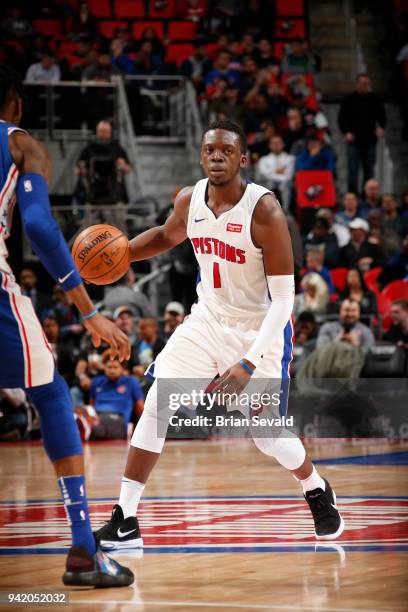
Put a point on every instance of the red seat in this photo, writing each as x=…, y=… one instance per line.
x=177, y=53
x=67, y=47
x=338, y=276
x=129, y=9
x=279, y=49
x=108, y=27
x=211, y=50
x=297, y=29
x=48, y=27
x=309, y=178
x=182, y=30
x=370, y=279
x=100, y=8
x=397, y=290
x=292, y=8
x=168, y=10
x=140, y=26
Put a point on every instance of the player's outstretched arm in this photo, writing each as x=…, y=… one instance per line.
x=270, y=233
x=160, y=239
x=48, y=243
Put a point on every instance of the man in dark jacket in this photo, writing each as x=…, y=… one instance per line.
x=361, y=119
x=359, y=252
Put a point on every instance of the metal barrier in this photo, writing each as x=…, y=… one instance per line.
x=69, y=110
x=157, y=104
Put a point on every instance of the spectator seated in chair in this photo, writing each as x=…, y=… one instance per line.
x=315, y=263
x=342, y=233
x=348, y=329
x=321, y=236
x=116, y=399
x=398, y=332
x=28, y=283
x=173, y=317
x=314, y=296
x=357, y=290
x=316, y=156
x=372, y=197
x=359, y=251
x=350, y=209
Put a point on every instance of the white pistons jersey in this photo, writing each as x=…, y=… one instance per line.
x=232, y=281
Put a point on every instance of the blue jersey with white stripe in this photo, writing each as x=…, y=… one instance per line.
x=8, y=182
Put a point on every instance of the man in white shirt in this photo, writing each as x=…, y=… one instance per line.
x=46, y=71
x=276, y=170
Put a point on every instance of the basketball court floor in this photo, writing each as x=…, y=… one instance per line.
x=225, y=528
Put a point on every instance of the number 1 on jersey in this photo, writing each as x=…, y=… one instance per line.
x=216, y=275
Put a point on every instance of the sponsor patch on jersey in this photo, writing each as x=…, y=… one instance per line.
x=28, y=186
x=121, y=389
x=234, y=227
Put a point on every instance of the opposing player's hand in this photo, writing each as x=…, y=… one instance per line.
x=101, y=328
x=234, y=380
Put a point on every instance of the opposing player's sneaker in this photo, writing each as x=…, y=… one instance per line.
x=98, y=570
x=329, y=524
x=119, y=532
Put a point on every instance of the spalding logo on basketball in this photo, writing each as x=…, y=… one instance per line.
x=102, y=254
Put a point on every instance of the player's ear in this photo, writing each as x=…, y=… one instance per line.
x=243, y=161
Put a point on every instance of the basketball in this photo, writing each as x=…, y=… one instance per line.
x=102, y=254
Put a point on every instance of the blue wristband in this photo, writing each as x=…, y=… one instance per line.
x=246, y=367
x=90, y=314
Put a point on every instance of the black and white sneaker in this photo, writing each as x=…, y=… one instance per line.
x=98, y=570
x=329, y=524
x=119, y=532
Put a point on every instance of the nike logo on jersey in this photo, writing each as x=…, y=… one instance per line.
x=66, y=277
x=123, y=534
x=198, y=220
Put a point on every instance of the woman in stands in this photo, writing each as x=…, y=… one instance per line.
x=357, y=290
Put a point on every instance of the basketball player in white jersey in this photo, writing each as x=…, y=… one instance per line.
x=239, y=329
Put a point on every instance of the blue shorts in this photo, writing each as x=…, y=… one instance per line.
x=26, y=357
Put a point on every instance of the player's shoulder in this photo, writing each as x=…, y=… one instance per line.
x=25, y=149
x=267, y=208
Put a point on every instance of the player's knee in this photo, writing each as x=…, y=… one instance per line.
x=60, y=433
x=287, y=450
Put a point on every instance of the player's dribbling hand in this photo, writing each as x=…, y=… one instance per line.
x=101, y=328
x=234, y=380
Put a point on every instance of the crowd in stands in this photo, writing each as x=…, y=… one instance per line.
x=351, y=251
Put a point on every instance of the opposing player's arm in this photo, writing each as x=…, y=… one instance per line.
x=46, y=238
x=164, y=237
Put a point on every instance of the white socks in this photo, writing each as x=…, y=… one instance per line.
x=130, y=494
x=313, y=482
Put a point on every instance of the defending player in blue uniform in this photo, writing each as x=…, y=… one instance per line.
x=27, y=359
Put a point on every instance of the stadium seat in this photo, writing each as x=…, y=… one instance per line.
x=167, y=11
x=177, y=53
x=140, y=26
x=306, y=179
x=181, y=30
x=108, y=27
x=66, y=48
x=211, y=50
x=297, y=29
x=384, y=360
x=290, y=8
x=129, y=9
x=100, y=8
x=338, y=276
x=279, y=49
x=48, y=27
x=397, y=290
x=370, y=278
